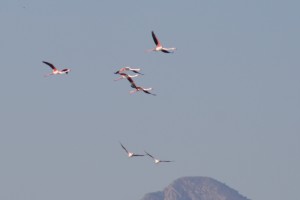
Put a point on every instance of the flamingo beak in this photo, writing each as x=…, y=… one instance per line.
x=116, y=72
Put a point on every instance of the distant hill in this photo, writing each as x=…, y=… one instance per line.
x=196, y=188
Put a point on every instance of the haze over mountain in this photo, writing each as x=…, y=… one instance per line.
x=196, y=188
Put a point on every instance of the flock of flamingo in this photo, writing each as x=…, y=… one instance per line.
x=129, y=77
x=131, y=154
x=122, y=71
x=124, y=75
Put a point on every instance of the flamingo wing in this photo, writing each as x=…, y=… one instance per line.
x=137, y=72
x=156, y=41
x=149, y=155
x=166, y=51
x=50, y=65
x=123, y=147
x=138, y=155
x=146, y=91
x=123, y=74
x=133, y=85
x=131, y=81
x=166, y=161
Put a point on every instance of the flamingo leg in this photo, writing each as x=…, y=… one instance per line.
x=149, y=50
x=46, y=75
x=133, y=91
x=118, y=78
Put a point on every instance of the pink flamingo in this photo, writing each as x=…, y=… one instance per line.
x=156, y=161
x=130, y=154
x=159, y=46
x=138, y=88
x=55, y=71
x=137, y=70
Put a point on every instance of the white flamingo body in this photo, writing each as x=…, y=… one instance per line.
x=55, y=71
x=156, y=161
x=159, y=46
x=165, y=50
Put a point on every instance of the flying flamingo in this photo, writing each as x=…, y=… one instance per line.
x=130, y=154
x=137, y=70
x=156, y=161
x=128, y=77
x=55, y=71
x=138, y=88
x=159, y=46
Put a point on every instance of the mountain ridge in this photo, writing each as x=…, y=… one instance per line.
x=195, y=188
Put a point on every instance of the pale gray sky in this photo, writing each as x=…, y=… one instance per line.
x=227, y=104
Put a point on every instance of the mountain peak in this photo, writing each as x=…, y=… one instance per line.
x=196, y=188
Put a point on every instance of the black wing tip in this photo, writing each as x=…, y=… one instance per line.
x=49, y=64
x=148, y=154
x=153, y=34
x=123, y=147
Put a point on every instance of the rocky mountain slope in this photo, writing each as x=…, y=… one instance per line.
x=196, y=188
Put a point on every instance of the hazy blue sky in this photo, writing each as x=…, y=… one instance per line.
x=227, y=104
